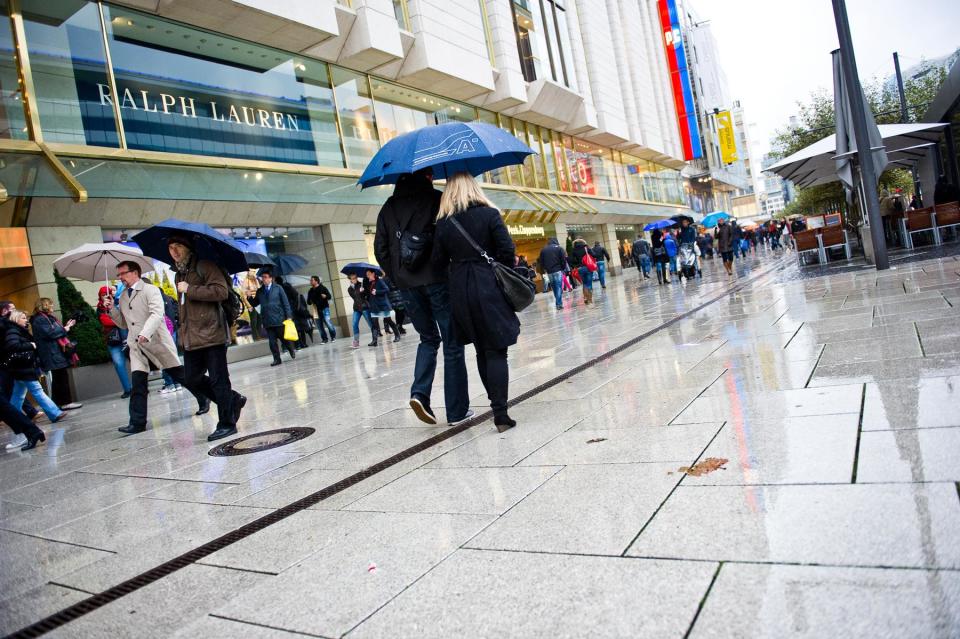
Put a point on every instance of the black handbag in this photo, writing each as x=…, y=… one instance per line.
x=518, y=290
x=415, y=248
x=114, y=337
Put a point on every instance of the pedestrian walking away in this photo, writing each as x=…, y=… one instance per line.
x=579, y=251
x=319, y=297
x=600, y=254
x=670, y=245
x=553, y=261
x=204, y=333
x=139, y=311
x=660, y=257
x=403, y=246
x=724, y=235
x=642, y=256
x=274, y=311
x=482, y=316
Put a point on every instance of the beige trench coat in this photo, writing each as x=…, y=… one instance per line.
x=140, y=311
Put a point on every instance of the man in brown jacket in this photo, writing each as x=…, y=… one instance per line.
x=204, y=333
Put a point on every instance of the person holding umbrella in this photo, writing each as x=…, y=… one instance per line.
x=725, y=243
x=274, y=311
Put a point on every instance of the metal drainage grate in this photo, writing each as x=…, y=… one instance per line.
x=261, y=441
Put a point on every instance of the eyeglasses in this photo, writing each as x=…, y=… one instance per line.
x=122, y=273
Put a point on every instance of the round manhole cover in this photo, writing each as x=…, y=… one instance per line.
x=261, y=441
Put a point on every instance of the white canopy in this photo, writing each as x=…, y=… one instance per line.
x=816, y=164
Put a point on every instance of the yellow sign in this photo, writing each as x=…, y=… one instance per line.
x=725, y=134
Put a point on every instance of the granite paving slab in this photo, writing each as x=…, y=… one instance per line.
x=916, y=455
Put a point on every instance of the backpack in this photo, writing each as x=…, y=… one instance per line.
x=897, y=205
x=231, y=307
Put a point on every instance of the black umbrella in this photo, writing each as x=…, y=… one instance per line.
x=680, y=218
x=285, y=263
x=256, y=260
x=208, y=243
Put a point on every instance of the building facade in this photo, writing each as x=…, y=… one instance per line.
x=777, y=192
x=257, y=117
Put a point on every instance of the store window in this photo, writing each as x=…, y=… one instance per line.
x=526, y=40
x=543, y=40
x=184, y=90
x=400, y=110
x=402, y=13
x=67, y=58
x=357, y=119
x=13, y=123
x=497, y=176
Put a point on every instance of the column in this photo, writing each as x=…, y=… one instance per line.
x=608, y=237
x=343, y=243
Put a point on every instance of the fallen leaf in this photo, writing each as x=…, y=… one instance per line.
x=708, y=465
x=597, y=440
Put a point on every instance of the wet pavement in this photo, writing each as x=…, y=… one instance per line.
x=832, y=398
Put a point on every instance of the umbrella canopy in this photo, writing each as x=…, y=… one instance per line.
x=296, y=280
x=659, y=224
x=714, y=218
x=208, y=243
x=448, y=148
x=816, y=164
x=287, y=263
x=95, y=262
x=256, y=260
x=359, y=268
x=680, y=218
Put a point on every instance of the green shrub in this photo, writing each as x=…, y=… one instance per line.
x=91, y=345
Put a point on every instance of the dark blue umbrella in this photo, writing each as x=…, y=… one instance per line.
x=359, y=269
x=285, y=263
x=255, y=260
x=659, y=224
x=208, y=243
x=449, y=148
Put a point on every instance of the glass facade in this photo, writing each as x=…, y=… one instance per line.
x=184, y=90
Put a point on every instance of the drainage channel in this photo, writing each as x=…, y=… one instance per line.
x=94, y=602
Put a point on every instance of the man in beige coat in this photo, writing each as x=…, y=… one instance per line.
x=140, y=311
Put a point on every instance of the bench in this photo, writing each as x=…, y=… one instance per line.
x=807, y=242
x=947, y=215
x=834, y=237
x=919, y=221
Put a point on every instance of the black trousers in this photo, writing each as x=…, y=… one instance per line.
x=16, y=420
x=6, y=390
x=138, y=393
x=60, y=387
x=495, y=374
x=401, y=317
x=206, y=375
x=275, y=335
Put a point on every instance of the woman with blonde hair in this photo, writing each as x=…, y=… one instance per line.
x=54, y=350
x=482, y=316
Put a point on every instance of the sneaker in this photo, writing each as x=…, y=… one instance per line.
x=465, y=417
x=126, y=395
x=72, y=406
x=356, y=343
x=168, y=389
x=422, y=409
x=17, y=442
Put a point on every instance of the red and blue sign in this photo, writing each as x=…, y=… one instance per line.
x=680, y=80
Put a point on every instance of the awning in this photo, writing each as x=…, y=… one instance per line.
x=816, y=164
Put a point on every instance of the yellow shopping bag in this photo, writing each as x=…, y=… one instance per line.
x=290, y=331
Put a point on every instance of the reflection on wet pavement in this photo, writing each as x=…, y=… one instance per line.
x=831, y=394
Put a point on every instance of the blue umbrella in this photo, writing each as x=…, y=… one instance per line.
x=448, y=148
x=659, y=224
x=285, y=263
x=359, y=269
x=208, y=243
x=257, y=259
x=714, y=218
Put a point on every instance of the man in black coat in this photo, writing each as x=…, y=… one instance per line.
x=553, y=261
x=642, y=255
x=274, y=310
x=403, y=246
x=319, y=297
x=599, y=253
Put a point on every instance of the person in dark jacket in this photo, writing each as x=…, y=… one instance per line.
x=21, y=363
x=358, y=293
x=204, y=333
x=274, y=311
x=599, y=253
x=319, y=296
x=378, y=303
x=553, y=261
x=298, y=312
x=660, y=257
x=13, y=363
x=482, y=316
x=48, y=333
x=396, y=301
x=642, y=256
x=725, y=243
x=409, y=215
x=6, y=381
x=580, y=249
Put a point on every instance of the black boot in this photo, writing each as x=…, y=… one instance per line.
x=659, y=276
x=503, y=423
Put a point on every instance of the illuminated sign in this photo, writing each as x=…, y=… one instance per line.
x=680, y=80
x=728, y=141
x=519, y=229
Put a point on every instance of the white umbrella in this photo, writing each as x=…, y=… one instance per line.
x=93, y=262
x=816, y=164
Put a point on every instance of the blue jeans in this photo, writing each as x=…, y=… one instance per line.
x=324, y=322
x=645, y=264
x=356, y=322
x=673, y=264
x=556, y=285
x=429, y=310
x=120, y=365
x=587, y=276
x=20, y=389
x=602, y=272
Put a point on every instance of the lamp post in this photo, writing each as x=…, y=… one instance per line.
x=868, y=175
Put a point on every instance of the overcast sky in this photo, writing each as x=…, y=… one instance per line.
x=776, y=52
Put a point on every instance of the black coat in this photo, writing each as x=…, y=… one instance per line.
x=46, y=331
x=274, y=306
x=379, y=303
x=413, y=206
x=313, y=297
x=725, y=237
x=358, y=294
x=578, y=252
x=599, y=253
x=481, y=314
x=553, y=259
x=19, y=353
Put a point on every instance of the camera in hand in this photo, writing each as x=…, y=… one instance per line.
x=78, y=317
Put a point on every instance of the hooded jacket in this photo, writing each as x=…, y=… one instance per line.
x=412, y=207
x=553, y=259
x=579, y=250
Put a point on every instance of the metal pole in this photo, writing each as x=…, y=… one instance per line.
x=904, y=118
x=848, y=64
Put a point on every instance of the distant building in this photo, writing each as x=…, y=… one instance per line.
x=777, y=192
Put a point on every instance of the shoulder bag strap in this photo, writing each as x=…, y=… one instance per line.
x=472, y=241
